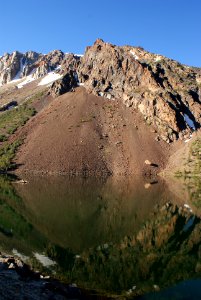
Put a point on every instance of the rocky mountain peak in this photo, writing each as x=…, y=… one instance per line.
x=54, y=58
x=16, y=65
x=166, y=92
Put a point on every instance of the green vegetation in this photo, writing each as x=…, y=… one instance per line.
x=192, y=173
x=192, y=166
x=10, y=121
x=16, y=231
x=178, y=174
x=7, y=191
x=7, y=153
x=195, y=157
x=3, y=138
x=36, y=97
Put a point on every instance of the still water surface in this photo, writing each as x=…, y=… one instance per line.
x=116, y=236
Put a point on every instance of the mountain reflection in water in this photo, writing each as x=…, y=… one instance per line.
x=116, y=236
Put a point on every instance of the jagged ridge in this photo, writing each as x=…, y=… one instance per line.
x=164, y=91
x=167, y=93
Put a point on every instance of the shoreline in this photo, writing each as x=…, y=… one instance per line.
x=20, y=281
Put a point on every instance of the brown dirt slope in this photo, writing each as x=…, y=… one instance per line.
x=78, y=133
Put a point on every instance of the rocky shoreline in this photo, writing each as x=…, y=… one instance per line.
x=19, y=281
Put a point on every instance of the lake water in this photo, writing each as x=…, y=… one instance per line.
x=118, y=236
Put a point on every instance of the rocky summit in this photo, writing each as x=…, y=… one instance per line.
x=167, y=93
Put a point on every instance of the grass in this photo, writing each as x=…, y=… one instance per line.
x=194, y=159
x=192, y=173
x=7, y=153
x=10, y=121
x=37, y=96
x=192, y=165
x=3, y=138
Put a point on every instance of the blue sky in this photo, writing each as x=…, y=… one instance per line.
x=168, y=27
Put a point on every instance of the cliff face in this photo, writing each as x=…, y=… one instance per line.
x=17, y=65
x=167, y=93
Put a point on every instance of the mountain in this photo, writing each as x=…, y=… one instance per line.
x=18, y=65
x=107, y=111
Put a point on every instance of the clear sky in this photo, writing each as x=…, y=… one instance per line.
x=168, y=27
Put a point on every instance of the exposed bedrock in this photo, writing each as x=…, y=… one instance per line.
x=164, y=91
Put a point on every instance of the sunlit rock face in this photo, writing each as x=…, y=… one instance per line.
x=17, y=65
x=164, y=91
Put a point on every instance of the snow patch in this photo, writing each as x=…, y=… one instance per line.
x=134, y=55
x=189, y=121
x=28, y=79
x=58, y=67
x=186, y=141
x=75, y=54
x=22, y=256
x=158, y=58
x=188, y=207
x=49, y=78
x=44, y=260
x=79, y=55
x=14, y=80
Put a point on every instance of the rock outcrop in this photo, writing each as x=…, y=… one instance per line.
x=66, y=84
x=164, y=91
x=70, y=63
x=47, y=63
x=17, y=65
x=69, y=81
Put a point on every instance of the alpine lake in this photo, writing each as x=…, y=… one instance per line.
x=118, y=237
